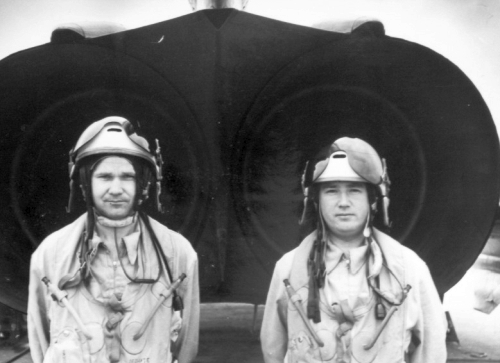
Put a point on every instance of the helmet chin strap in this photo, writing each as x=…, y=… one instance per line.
x=367, y=231
x=316, y=270
x=304, y=209
x=384, y=187
x=305, y=191
x=323, y=228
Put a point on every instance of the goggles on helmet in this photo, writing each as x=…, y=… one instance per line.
x=350, y=160
x=115, y=136
x=335, y=168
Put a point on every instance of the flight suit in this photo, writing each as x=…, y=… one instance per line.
x=416, y=332
x=113, y=319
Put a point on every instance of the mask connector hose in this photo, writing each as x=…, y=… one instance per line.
x=382, y=326
x=296, y=300
x=61, y=297
x=164, y=295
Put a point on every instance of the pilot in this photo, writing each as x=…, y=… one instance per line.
x=348, y=292
x=115, y=285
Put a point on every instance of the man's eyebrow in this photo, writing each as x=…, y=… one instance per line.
x=333, y=183
x=334, y=186
x=128, y=173
x=107, y=173
x=355, y=183
x=103, y=173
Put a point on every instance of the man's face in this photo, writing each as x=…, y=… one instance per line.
x=114, y=187
x=345, y=208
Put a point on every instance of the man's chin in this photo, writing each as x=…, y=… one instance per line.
x=116, y=215
x=349, y=231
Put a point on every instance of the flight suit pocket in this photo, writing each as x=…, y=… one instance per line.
x=364, y=333
x=141, y=321
x=70, y=346
x=358, y=351
x=97, y=342
x=302, y=345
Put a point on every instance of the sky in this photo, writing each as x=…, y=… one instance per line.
x=465, y=31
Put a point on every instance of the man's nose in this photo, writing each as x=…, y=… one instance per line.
x=116, y=186
x=343, y=199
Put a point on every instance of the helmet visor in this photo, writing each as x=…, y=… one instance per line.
x=350, y=160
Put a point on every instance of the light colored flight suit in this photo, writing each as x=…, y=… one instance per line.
x=112, y=308
x=416, y=331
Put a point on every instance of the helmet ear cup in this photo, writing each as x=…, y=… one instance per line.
x=83, y=193
x=144, y=181
x=373, y=198
x=86, y=185
x=307, y=178
x=144, y=194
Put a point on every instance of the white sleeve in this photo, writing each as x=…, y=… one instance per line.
x=274, y=332
x=431, y=325
x=186, y=346
x=38, y=322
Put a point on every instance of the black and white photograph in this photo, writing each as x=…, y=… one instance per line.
x=275, y=181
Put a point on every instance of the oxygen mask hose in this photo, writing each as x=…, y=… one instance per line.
x=60, y=296
x=164, y=295
x=391, y=312
x=296, y=300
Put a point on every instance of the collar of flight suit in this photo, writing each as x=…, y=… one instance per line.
x=355, y=257
x=130, y=242
x=65, y=257
x=390, y=254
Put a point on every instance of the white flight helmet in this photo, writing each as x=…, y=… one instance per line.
x=114, y=136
